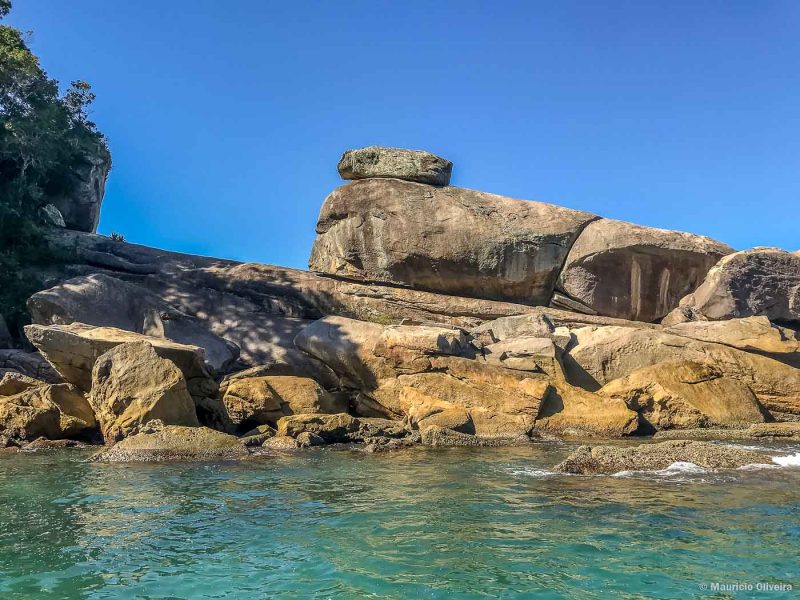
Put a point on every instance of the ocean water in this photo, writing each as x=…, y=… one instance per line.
x=422, y=523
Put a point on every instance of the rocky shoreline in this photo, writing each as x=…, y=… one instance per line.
x=431, y=315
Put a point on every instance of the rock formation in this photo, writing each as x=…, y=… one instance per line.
x=757, y=282
x=397, y=163
x=588, y=460
x=437, y=315
x=652, y=268
x=445, y=240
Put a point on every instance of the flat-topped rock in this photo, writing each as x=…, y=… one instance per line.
x=588, y=460
x=446, y=240
x=633, y=272
x=399, y=163
x=173, y=442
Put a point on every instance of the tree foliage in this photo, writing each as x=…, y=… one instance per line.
x=44, y=134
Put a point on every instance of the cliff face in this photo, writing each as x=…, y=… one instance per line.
x=442, y=310
x=80, y=204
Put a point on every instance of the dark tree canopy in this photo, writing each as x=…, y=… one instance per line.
x=43, y=135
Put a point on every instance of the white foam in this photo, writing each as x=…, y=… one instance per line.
x=674, y=470
x=790, y=460
x=535, y=472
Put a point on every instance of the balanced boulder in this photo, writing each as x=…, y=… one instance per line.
x=632, y=272
x=410, y=165
x=132, y=385
x=446, y=240
x=761, y=281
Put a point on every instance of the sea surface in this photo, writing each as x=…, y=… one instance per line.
x=420, y=523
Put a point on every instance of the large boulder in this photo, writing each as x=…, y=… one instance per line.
x=73, y=349
x=13, y=383
x=52, y=411
x=599, y=355
x=632, y=272
x=447, y=240
x=257, y=401
x=761, y=281
x=158, y=442
x=106, y=301
x=588, y=460
x=399, y=163
x=80, y=205
x=132, y=385
x=685, y=395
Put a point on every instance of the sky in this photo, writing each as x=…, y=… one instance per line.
x=226, y=119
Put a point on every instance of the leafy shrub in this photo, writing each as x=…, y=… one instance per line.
x=44, y=134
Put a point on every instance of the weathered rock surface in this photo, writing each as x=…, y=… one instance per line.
x=73, y=349
x=442, y=437
x=446, y=240
x=752, y=334
x=754, y=432
x=52, y=216
x=170, y=442
x=574, y=411
x=106, y=301
x=409, y=165
x=599, y=355
x=632, y=272
x=331, y=428
x=13, y=383
x=757, y=282
x=31, y=364
x=487, y=401
x=534, y=354
x=265, y=400
x=81, y=206
x=132, y=385
x=686, y=395
x=588, y=460
x=51, y=411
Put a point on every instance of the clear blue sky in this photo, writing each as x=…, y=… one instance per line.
x=226, y=119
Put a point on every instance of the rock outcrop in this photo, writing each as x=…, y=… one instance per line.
x=132, y=385
x=80, y=206
x=397, y=163
x=685, y=395
x=73, y=350
x=436, y=315
x=106, y=301
x=445, y=240
x=588, y=460
x=598, y=355
x=632, y=272
x=757, y=282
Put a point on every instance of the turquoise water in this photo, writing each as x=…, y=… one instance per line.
x=445, y=523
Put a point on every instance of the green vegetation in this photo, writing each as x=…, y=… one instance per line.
x=43, y=134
